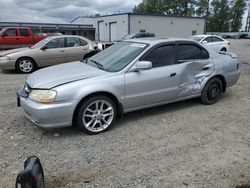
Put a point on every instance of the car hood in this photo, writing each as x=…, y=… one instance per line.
x=7, y=52
x=50, y=77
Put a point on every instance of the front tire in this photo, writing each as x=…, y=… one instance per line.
x=212, y=91
x=95, y=115
x=25, y=65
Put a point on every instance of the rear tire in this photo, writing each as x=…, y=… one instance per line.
x=211, y=91
x=25, y=65
x=95, y=115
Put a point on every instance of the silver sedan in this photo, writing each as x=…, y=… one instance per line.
x=128, y=76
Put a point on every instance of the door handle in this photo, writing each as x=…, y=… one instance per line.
x=205, y=68
x=173, y=74
x=17, y=39
x=61, y=51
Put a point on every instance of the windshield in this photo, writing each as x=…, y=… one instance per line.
x=2, y=31
x=129, y=36
x=41, y=43
x=195, y=38
x=118, y=56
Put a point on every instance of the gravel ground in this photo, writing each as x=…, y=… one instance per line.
x=185, y=144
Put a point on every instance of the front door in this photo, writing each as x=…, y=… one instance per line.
x=159, y=84
x=54, y=53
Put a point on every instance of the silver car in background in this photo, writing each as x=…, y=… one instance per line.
x=49, y=51
x=130, y=75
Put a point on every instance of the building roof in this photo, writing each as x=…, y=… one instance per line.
x=137, y=14
x=46, y=25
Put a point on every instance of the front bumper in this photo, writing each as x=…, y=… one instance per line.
x=54, y=115
x=7, y=64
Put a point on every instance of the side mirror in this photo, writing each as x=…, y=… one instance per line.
x=44, y=48
x=141, y=65
x=204, y=42
x=4, y=35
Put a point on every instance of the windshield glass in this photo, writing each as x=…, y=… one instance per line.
x=118, y=56
x=129, y=36
x=195, y=38
x=41, y=43
x=2, y=31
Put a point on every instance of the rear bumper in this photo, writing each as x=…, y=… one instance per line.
x=7, y=64
x=49, y=115
x=232, y=78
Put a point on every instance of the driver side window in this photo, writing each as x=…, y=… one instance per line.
x=161, y=56
x=55, y=43
x=10, y=33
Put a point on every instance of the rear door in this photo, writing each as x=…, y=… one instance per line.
x=76, y=48
x=159, y=84
x=194, y=65
x=25, y=37
x=54, y=52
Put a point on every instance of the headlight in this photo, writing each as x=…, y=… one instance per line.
x=43, y=96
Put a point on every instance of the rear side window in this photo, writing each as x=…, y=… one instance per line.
x=190, y=51
x=75, y=42
x=161, y=56
x=216, y=39
x=24, y=32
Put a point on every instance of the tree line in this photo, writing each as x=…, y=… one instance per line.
x=221, y=15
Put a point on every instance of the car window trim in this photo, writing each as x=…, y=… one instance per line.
x=190, y=43
x=160, y=45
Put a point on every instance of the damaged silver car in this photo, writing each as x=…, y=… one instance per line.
x=130, y=75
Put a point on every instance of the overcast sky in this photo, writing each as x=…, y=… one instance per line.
x=62, y=10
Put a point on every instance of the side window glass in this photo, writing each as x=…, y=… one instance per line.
x=24, y=32
x=73, y=42
x=161, y=56
x=55, y=43
x=208, y=39
x=10, y=33
x=189, y=51
x=216, y=39
x=83, y=42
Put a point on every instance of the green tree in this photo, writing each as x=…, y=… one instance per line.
x=237, y=12
x=219, y=19
x=172, y=7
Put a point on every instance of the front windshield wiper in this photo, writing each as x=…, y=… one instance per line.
x=99, y=65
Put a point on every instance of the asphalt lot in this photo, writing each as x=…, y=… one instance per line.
x=185, y=144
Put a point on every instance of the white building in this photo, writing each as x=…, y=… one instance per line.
x=116, y=26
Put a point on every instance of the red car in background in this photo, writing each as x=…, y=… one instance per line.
x=16, y=37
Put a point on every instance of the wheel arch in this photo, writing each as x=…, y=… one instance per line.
x=223, y=80
x=119, y=106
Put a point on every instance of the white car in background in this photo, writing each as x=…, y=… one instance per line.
x=212, y=41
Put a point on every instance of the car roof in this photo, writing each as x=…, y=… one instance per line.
x=59, y=36
x=205, y=36
x=156, y=40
